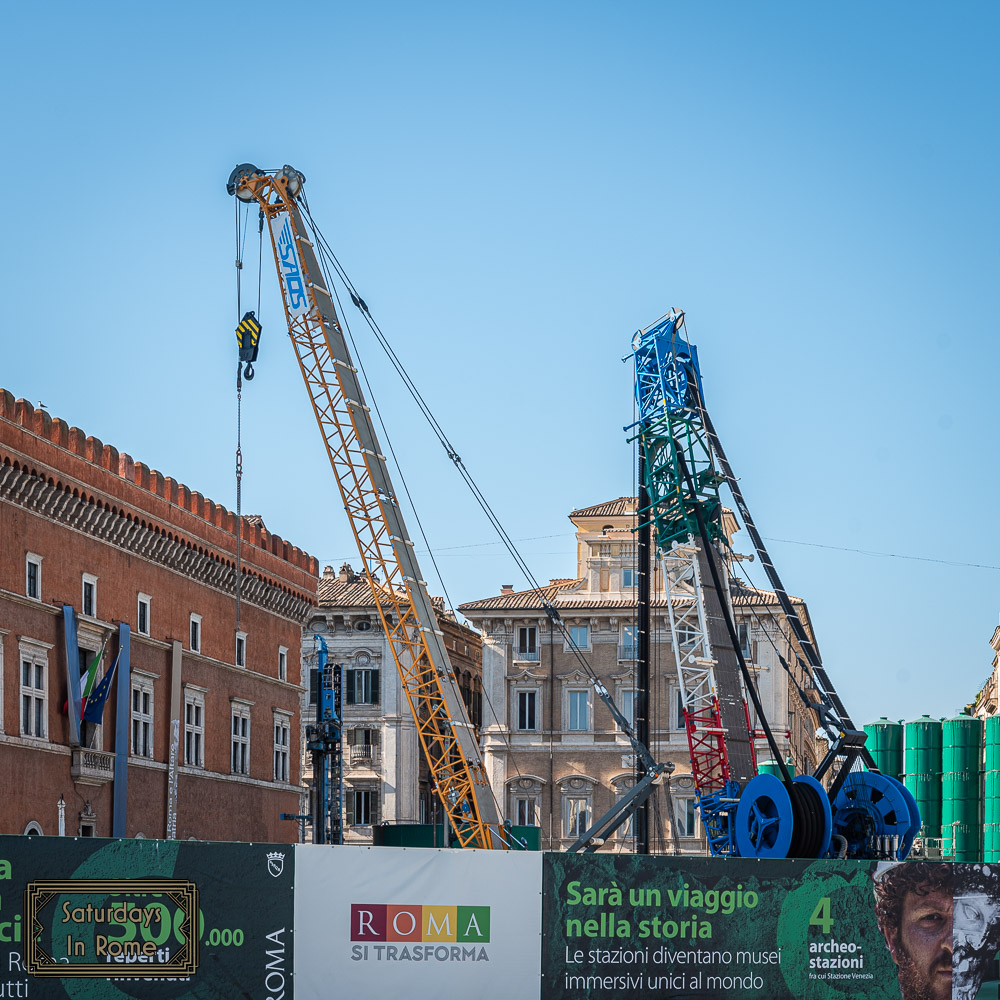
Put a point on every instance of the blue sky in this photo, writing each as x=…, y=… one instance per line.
x=515, y=191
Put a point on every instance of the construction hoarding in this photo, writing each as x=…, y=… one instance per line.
x=112, y=920
x=96, y=919
x=385, y=921
x=624, y=925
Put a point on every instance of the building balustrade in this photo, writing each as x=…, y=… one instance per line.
x=92, y=767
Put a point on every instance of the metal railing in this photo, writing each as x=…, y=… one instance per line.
x=627, y=651
x=364, y=753
x=525, y=656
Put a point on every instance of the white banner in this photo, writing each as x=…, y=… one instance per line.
x=292, y=278
x=387, y=921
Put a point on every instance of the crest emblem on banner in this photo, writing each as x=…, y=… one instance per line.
x=275, y=863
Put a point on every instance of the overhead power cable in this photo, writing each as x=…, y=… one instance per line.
x=886, y=555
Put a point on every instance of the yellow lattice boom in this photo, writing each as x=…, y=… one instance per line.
x=446, y=736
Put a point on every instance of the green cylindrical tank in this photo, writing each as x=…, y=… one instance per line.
x=961, y=788
x=771, y=766
x=885, y=741
x=991, y=797
x=922, y=770
x=961, y=744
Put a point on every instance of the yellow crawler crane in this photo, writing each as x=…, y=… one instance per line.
x=447, y=737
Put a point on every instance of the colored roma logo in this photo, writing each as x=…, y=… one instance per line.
x=378, y=922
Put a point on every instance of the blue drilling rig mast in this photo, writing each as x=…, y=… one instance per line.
x=865, y=813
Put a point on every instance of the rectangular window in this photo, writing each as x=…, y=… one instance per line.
x=240, y=762
x=628, y=578
x=33, y=576
x=687, y=635
x=281, y=743
x=142, y=718
x=33, y=697
x=282, y=663
x=362, y=687
x=525, y=811
x=746, y=644
x=579, y=703
x=527, y=642
x=687, y=818
x=195, y=635
x=526, y=704
x=579, y=635
x=241, y=649
x=362, y=805
x=142, y=614
x=628, y=649
x=577, y=817
x=194, y=729
x=628, y=705
x=89, y=604
x=679, y=722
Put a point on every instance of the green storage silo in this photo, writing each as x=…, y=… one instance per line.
x=961, y=788
x=771, y=766
x=991, y=797
x=922, y=770
x=885, y=741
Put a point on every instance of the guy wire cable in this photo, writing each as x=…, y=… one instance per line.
x=385, y=434
x=491, y=515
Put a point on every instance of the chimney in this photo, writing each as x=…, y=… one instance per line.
x=506, y=588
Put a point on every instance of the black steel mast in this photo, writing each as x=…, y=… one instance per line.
x=642, y=627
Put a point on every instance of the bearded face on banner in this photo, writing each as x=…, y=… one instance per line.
x=941, y=924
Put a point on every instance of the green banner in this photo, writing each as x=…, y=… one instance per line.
x=157, y=920
x=627, y=925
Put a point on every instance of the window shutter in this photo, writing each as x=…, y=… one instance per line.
x=376, y=699
x=350, y=808
x=350, y=687
x=376, y=736
x=351, y=737
x=374, y=808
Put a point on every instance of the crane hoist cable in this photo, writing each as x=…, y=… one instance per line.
x=240, y=250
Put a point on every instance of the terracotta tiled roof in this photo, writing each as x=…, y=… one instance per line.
x=520, y=598
x=611, y=508
x=341, y=594
x=557, y=594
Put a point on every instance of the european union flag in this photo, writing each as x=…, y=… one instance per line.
x=95, y=703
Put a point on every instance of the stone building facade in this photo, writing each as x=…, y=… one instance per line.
x=555, y=756
x=385, y=775
x=987, y=702
x=209, y=715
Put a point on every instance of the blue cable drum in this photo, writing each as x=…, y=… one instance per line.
x=914, y=829
x=825, y=827
x=870, y=806
x=764, y=819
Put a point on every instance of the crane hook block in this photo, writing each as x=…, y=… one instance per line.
x=248, y=337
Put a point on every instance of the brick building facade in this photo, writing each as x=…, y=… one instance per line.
x=82, y=525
